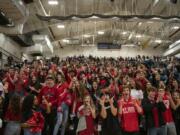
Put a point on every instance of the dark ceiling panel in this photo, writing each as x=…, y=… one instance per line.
x=28, y=1
x=25, y=40
x=4, y=21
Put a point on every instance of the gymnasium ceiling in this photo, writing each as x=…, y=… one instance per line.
x=141, y=32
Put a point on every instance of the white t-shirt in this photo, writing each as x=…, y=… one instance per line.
x=136, y=94
x=1, y=90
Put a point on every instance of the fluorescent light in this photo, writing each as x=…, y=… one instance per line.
x=129, y=45
x=100, y=32
x=138, y=36
x=149, y=22
x=155, y=2
x=61, y=26
x=140, y=23
x=65, y=41
x=20, y=2
x=124, y=32
x=94, y=17
x=130, y=36
x=158, y=41
x=86, y=35
x=176, y=27
x=53, y=2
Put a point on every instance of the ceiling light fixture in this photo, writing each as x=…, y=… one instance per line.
x=129, y=45
x=149, y=22
x=124, y=32
x=53, y=2
x=138, y=36
x=158, y=41
x=130, y=36
x=140, y=23
x=61, y=26
x=100, y=32
x=176, y=27
x=65, y=41
x=86, y=36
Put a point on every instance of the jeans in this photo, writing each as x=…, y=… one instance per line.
x=28, y=132
x=62, y=118
x=12, y=128
x=157, y=131
x=170, y=129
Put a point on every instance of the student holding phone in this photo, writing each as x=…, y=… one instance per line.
x=108, y=112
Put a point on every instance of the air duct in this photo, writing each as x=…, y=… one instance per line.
x=44, y=40
x=173, y=49
x=19, y=24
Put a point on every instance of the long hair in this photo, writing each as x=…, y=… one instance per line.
x=15, y=104
x=27, y=107
x=81, y=91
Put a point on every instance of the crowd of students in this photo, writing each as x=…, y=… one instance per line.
x=91, y=96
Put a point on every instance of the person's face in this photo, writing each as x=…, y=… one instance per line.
x=141, y=75
x=126, y=92
x=77, y=84
x=1, y=100
x=161, y=92
x=35, y=100
x=59, y=78
x=87, y=100
x=106, y=96
x=138, y=76
x=161, y=84
x=11, y=71
x=176, y=95
x=148, y=85
x=133, y=83
x=83, y=77
x=152, y=94
x=95, y=86
x=50, y=72
x=50, y=82
x=34, y=79
x=175, y=83
x=157, y=77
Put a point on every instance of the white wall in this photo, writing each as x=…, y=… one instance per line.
x=124, y=51
x=10, y=46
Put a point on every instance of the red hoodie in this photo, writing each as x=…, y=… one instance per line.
x=51, y=95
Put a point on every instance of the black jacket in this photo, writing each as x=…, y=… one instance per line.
x=148, y=111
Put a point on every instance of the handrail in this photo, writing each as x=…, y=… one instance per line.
x=9, y=54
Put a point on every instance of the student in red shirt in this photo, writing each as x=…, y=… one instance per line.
x=9, y=79
x=13, y=115
x=86, y=114
x=64, y=101
x=169, y=103
x=48, y=93
x=129, y=110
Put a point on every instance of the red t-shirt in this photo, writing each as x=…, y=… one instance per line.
x=129, y=117
x=89, y=122
x=167, y=115
x=155, y=116
x=51, y=95
x=10, y=84
x=10, y=116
